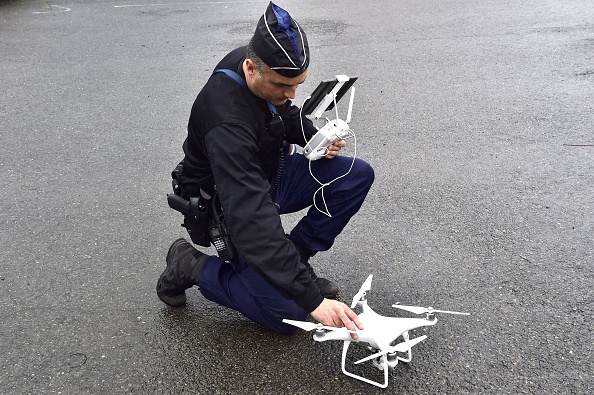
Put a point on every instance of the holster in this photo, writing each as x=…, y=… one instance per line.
x=196, y=210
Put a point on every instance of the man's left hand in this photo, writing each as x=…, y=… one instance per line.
x=333, y=149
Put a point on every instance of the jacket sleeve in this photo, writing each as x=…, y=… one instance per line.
x=293, y=127
x=251, y=217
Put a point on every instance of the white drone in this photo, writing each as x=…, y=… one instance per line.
x=379, y=334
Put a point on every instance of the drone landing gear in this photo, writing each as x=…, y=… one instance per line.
x=384, y=359
x=385, y=362
x=406, y=338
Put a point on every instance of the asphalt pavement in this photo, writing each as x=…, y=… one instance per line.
x=477, y=117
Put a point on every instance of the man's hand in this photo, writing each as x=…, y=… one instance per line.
x=337, y=314
x=333, y=149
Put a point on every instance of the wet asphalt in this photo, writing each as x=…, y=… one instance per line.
x=476, y=116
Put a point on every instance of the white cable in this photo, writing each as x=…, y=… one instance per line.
x=322, y=185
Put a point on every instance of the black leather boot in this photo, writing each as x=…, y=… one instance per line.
x=328, y=288
x=184, y=264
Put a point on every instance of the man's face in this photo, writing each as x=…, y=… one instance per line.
x=270, y=85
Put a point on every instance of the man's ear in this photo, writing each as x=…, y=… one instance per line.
x=250, y=67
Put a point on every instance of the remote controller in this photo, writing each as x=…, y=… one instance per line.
x=334, y=130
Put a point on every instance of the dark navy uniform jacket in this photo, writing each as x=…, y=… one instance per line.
x=230, y=145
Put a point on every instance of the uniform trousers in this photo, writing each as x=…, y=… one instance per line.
x=238, y=286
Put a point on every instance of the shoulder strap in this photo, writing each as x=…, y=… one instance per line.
x=242, y=82
x=233, y=75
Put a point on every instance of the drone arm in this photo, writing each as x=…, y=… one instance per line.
x=336, y=334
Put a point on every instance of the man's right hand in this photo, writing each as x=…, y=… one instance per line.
x=337, y=314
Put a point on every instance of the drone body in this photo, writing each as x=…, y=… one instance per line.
x=379, y=334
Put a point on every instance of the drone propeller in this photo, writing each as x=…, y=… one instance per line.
x=364, y=288
x=310, y=326
x=400, y=347
x=423, y=310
